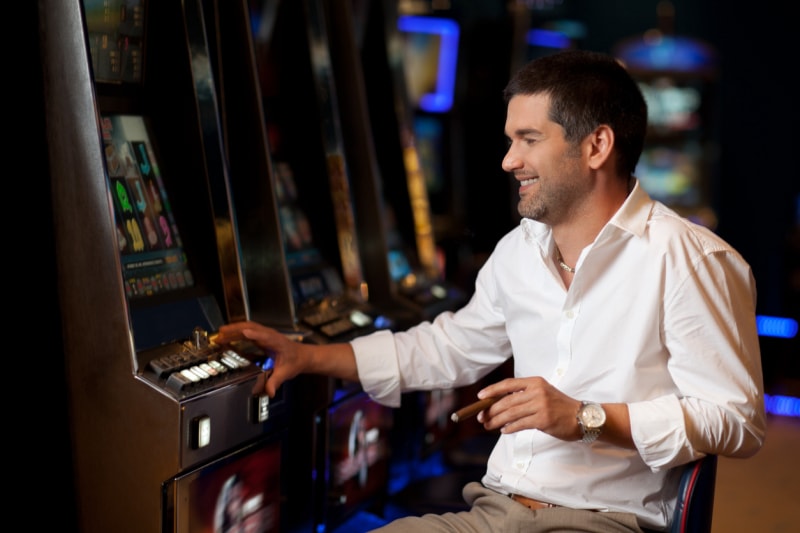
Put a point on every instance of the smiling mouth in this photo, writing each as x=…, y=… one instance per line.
x=529, y=181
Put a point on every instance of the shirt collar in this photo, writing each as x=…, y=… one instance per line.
x=632, y=217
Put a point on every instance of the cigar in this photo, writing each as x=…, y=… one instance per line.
x=473, y=409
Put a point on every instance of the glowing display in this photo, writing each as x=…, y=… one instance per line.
x=782, y=405
x=548, y=38
x=773, y=326
x=666, y=52
x=153, y=260
x=431, y=52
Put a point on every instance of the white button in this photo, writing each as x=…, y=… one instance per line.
x=262, y=407
x=560, y=371
x=569, y=314
x=203, y=431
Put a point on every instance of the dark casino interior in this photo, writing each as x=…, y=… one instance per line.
x=331, y=169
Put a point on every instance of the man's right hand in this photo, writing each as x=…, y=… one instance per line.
x=290, y=358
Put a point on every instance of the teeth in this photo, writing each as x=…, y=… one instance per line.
x=527, y=182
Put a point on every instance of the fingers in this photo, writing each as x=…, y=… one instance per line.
x=271, y=386
x=279, y=346
x=231, y=332
x=524, y=404
x=243, y=330
x=506, y=386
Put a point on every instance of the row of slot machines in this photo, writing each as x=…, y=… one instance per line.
x=214, y=161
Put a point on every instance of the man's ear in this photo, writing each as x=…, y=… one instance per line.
x=601, y=142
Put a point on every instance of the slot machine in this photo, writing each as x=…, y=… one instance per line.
x=385, y=141
x=678, y=78
x=416, y=270
x=170, y=431
x=428, y=47
x=283, y=135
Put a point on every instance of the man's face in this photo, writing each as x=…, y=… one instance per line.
x=551, y=173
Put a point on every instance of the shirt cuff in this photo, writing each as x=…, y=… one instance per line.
x=659, y=431
x=378, y=370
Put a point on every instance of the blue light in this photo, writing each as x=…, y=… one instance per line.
x=383, y=322
x=774, y=326
x=668, y=52
x=403, y=474
x=782, y=405
x=441, y=100
x=548, y=39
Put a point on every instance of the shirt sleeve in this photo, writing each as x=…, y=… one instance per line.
x=455, y=349
x=378, y=371
x=715, y=361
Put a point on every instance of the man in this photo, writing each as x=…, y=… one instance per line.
x=632, y=330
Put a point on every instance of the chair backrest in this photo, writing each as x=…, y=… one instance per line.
x=696, y=497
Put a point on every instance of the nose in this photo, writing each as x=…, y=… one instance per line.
x=510, y=162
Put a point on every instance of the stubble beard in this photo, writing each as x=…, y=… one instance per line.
x=554, y=198
x=532, y=207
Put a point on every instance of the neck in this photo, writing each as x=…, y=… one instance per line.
x=582, y=227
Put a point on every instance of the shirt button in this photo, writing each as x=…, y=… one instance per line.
x=569, y=314
x=559, y=372
x=520, y=466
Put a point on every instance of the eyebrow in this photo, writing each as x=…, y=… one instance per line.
x=526, y=131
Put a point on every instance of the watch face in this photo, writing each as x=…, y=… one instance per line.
x=592, y=416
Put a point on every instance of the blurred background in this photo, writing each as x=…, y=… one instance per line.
x=721, y=88
x=721, y=108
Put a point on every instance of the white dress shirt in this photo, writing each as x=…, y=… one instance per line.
x=660, y=315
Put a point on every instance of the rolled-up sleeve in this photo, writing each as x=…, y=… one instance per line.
x=715, y=363
x=378, y=370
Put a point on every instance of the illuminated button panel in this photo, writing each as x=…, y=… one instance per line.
x=193, y=370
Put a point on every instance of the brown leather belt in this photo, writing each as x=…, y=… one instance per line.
x=530, y=503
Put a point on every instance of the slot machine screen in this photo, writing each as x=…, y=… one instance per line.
x=676, y=76
x=672, y=166
x=673, y=106
x=358, y=432
x=430, y=59
x=430, y=51
x=155, y=269
x=237, y=493
x=153, y=260
x=671, y=175
x=312, y=278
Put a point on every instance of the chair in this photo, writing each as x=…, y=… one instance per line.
x=442, y=494
x=696, y=497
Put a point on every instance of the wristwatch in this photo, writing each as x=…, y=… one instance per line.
x=591, y=417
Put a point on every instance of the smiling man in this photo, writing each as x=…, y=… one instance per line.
x=632, y=330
